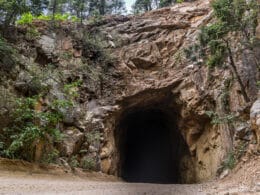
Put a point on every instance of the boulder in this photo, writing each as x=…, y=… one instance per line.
x=255, y=121
x=72, y=141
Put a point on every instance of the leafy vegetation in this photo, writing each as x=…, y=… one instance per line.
x=216, y=119
x=29, y=10
x=147, y=5
x=88, y=163
x=73, y=162
x=232, y=16
x=28, y=18
x=50, y=157
x=230, y=161
x=93, y=136
x=29, y=127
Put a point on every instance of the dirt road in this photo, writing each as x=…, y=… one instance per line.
x=243, y=180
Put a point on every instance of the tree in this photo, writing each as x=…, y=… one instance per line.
x=37, y=6
x=232, y=16
x=57, y=6
x=115, y=7
x=78, y=8
x=106, y=6
x=142, y=6
x=10, y=9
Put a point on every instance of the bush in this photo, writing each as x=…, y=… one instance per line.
x=29, y=127
x=88, y=163
x=26, y=18
x=73, y=162
x=50, y=157
x=230, y=161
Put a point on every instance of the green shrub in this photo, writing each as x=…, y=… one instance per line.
x=71, y=89
x=26, y=18
x=179, y=1
x=88, y=163
x=93, y=136
x=32, y=33
x=73, y=162
x=95, y=18
x=230, y=161
x=216, y=119
x=50, y=157
x=92, y=47
x=28, y=127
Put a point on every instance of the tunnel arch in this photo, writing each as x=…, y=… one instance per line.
x=150, y=145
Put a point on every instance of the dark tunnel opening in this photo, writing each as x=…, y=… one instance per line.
x=151, y=147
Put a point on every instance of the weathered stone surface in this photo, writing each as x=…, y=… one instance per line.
x=47, y=44
x=150, y=70
x=255, y=121
x=71, y=144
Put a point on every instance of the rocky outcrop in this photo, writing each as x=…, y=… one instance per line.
x=255, y=121
x=150, y=72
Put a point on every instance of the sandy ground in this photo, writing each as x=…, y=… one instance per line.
x=245, y=179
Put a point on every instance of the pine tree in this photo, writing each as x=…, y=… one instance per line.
x=10, y=9
x=37, y=6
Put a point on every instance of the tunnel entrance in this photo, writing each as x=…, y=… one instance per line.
x=151, y=147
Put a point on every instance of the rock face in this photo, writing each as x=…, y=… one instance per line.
x=255, y=121
x=203, y=108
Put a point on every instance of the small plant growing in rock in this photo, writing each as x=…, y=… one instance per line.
x=88, y=163
x=216, y=119
x=95, y=18
x=258, y=84
x=73, y=162
x=93, y=136
x=230, y=161
x=32, y=33
x=29, y=127
x=51, y=157
x=71, y=89
x=28, y=18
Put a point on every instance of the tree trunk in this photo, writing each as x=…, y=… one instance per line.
x=102, y=7
x=233, y=66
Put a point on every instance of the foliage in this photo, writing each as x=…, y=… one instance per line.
x=28, y=18
x=11, y=9
x=147, y=5
x=258, y=84
x=216, y=119
x=32, y=33
x=230, y=161
x=67, y=55
x=78, y=10
x=71, y=89
x=95, y=17
x=93, y=48
x=88, y=163
x=29, y=126
x=37, y=6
